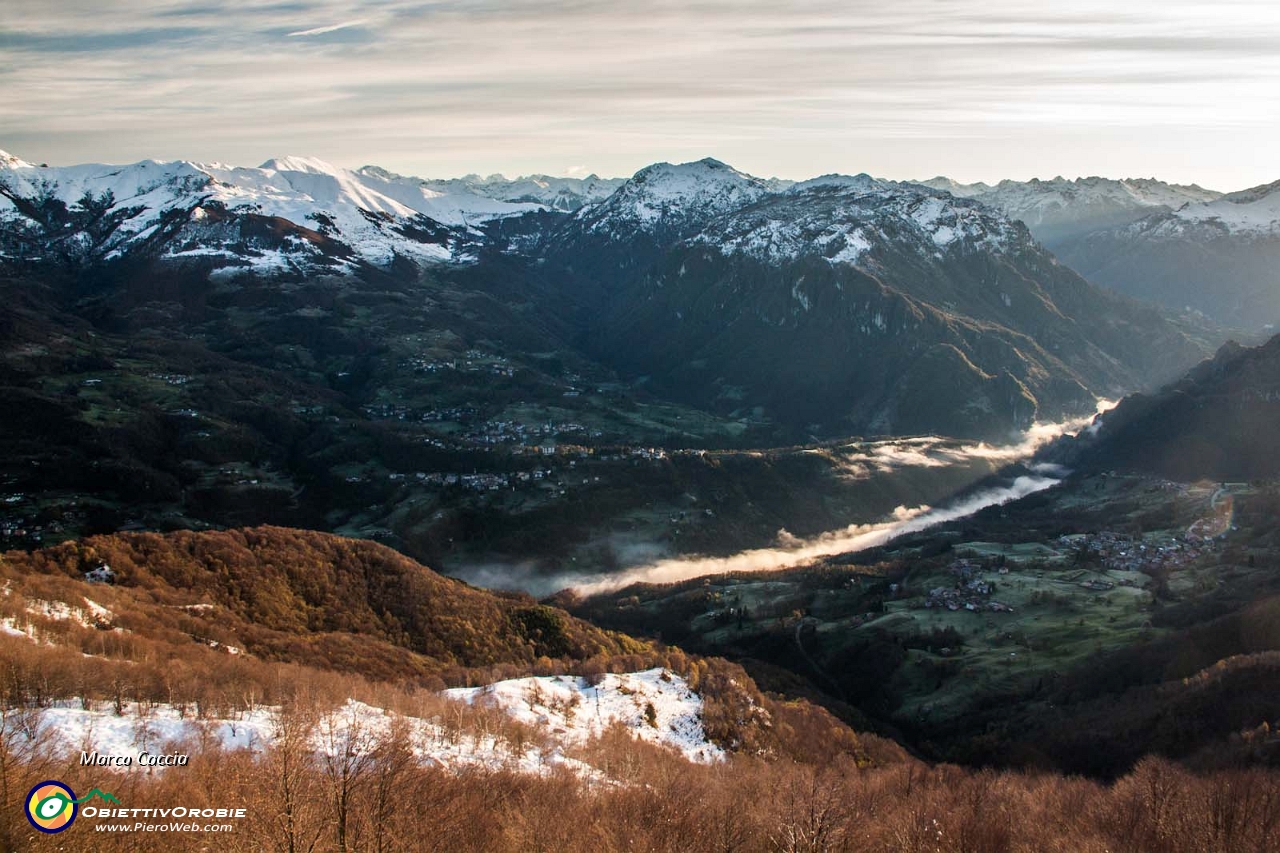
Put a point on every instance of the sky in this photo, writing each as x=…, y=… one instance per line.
x=1184, y=91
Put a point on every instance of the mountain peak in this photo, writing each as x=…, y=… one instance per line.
x=1253, y=193
x=705, y=167
x=294, y=163
x=951, y=185
x=666, y=194
x=1252, y=211
x=9, y=161
x=861, y=182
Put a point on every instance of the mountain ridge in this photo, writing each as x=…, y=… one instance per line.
x=1215, y=422
x=1181, y=246
x=1006, y=335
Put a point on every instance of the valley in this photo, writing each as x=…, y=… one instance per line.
x=508, y=427
x=636, y=402
x=493, y=412
x=997, y=610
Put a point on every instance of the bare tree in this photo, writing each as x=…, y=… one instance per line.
x=290, y=760
x=346, y=757
x=393, y=759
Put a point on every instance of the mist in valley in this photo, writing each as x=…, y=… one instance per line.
x=643, y=561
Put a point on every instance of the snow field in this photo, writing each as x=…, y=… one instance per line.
x=355, y=728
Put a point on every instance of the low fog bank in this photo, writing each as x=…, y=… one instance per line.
x=855, y=537
x=869, y=459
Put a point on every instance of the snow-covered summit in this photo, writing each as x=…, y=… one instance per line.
x=1058, y=209
x=295, y=163
x=861, y=182
x=672, y=195
x=310, y=180
x=655, y=706
x=1039, y=198
x=1248, y=215
x=956, y=188
x=70, y=183
x=200, y=210
x=10, y=161
x=1217, y=257
x=1255, y=211
x=842, y=219
x=557, y=193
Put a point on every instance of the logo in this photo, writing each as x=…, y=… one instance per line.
x=52, y=806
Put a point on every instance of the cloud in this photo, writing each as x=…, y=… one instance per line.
x=331, y=28
x=51, y=43
x=990, y=90
x=931, y=452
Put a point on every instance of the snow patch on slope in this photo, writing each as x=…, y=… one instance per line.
x=656, y=705
x=354, y=729
x=91, y=615
x=567, y=710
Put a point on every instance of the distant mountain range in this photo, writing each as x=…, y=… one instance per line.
x=1184, y=247
x=839, y=305
x=564, y=194
x=1059, y=211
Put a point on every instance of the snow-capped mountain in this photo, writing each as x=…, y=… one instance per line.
x=1220, y=257
x=671, y=198
x=840, y=218
x=956, y=188
x=1182, y=246
x=604, y=242
x=292, y=213
x=842, y=303
x=1251, y=212
x=892, y=307
x=563, y=194
x=1060, y=210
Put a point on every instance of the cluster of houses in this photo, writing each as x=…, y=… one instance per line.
x=21, y=524
x=972, y=597
x=236, y=476
x=473, y=361
x=515, y=432
x=18, y=527
x=1120, y=552
x=472, y=482
x=486, y=482
x=491, y=433
x=970, y=592
x=394, y=412
x=102, y=573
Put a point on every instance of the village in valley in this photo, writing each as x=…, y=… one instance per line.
x=1016, y=608
x=988, y=603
